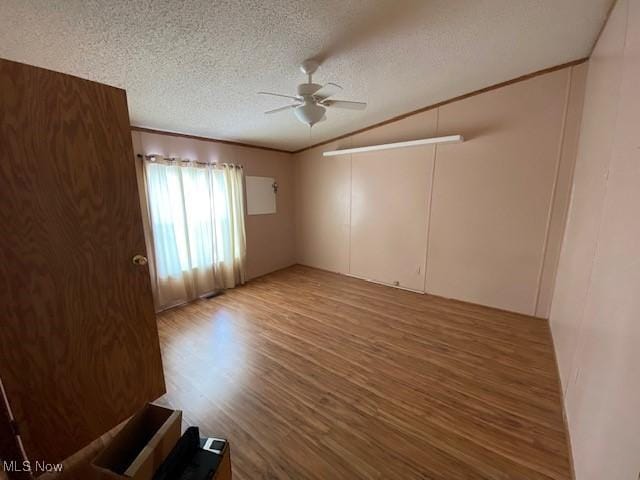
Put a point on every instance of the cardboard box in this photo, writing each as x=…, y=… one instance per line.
x=137, y=451
x=224, y=468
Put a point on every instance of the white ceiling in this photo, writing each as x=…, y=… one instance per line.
x=195, y=66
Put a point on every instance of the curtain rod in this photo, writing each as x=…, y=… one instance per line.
x=175, y=159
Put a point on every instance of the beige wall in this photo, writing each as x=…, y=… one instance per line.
x=595, y=315
x=484, y=217
x=270, y=238
x=322, y=195
x=391, y=193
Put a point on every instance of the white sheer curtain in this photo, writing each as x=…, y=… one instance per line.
x=196, y=212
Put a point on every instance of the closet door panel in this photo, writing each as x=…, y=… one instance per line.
x=78, y=343
x=390, y=193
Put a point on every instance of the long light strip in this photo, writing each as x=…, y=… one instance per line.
x=387, y=146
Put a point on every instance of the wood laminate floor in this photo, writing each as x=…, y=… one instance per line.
x=314, y=375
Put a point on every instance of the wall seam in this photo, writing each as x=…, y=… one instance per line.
x=294, y=206
x=565, y=218
x=433, y=176
x=350, y=204
x=554, y=191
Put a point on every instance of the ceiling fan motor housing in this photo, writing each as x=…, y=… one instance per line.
x=308, y=88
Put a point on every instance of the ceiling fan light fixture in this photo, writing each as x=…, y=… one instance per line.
x=309, y=113
x=313, y=99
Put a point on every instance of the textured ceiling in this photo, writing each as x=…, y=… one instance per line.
x=195, y=66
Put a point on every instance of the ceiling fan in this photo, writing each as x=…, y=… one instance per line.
x=310, y=104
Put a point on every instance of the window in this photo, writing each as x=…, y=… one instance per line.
x=197, y=218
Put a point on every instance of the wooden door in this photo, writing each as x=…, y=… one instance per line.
x=79, y=349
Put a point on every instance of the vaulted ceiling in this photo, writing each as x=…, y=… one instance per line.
x=195, y=66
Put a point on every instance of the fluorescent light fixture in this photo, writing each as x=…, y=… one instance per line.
x=387, y=146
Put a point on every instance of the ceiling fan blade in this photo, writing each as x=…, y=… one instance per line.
x=280, y=109
x=327, y=90
x=279, y=95
x=345, y=104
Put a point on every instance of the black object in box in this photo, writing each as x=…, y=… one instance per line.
x=192, y=458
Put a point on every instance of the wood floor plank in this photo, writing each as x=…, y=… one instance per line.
x=314, y=375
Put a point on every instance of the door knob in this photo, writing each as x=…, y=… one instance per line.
x=139, y=260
